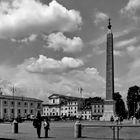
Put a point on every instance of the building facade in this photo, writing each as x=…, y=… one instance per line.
x=97, y=110
x=65, y=106
x=16, y=106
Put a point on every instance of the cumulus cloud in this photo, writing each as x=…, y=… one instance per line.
x=42, y=64
x=131, y=7
x=99, y=17
x=31, y=38
x=26, y=17
x=58, y=41
x=41, y=86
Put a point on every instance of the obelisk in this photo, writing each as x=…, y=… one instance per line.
x=109, y=104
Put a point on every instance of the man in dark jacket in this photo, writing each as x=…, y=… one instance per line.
x=37, y=124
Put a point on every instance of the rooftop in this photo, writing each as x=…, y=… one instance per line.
x=19, y=98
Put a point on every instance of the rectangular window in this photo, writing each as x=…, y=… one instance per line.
x=12, y=103
x=25, y=103
x=19, y=111
x=5, y=103
x=31, y=111
x=38, y=105
x=19, y=103
x=5, y=110
x=25, y=111
x=12, y=111
x=31, y=104
x=53, y=101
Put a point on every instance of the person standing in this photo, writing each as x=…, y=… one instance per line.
x=37, y=122
x=46, y=125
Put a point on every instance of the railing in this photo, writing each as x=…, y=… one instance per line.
x=115, y=128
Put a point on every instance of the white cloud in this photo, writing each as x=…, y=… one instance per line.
x=31, y=38
x=100, y=17
x=122, y=32
x=98, y=41
x=128, y=42
x=131, y=7
x=42, y=64
x=130, y=48
x=20, y=18
x=117, y=53
x=39, y=86
x=58, y=41
x=131, y=10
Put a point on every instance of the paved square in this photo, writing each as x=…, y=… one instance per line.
x=65, y=131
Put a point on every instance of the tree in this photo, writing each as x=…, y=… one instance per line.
x=132, y=98
x=119, y=105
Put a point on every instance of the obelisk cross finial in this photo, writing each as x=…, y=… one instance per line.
x=109, y=23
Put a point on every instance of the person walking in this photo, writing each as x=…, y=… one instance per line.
x=46, y=125
x=37, y=122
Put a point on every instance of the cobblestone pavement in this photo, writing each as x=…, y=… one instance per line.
x=65, y=131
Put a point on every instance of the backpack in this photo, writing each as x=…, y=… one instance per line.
x=35, y=123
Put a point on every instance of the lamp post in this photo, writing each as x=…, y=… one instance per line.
x=13, y=90
x=15, y=123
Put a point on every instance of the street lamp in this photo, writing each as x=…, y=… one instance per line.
x=15, y=123
x=13, y=90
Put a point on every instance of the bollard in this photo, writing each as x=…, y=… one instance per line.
x=78, y=130
x=15, y=127
x=134, y=120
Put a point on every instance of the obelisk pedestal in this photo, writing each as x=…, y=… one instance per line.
x=109, y=103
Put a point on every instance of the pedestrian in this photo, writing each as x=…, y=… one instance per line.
x=117, y=119
x=112, y=119
x=37, y=122
x=46, y=125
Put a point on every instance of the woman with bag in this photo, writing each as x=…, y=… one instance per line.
x=46, y=125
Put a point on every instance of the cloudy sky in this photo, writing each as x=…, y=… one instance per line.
x=60, y=45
